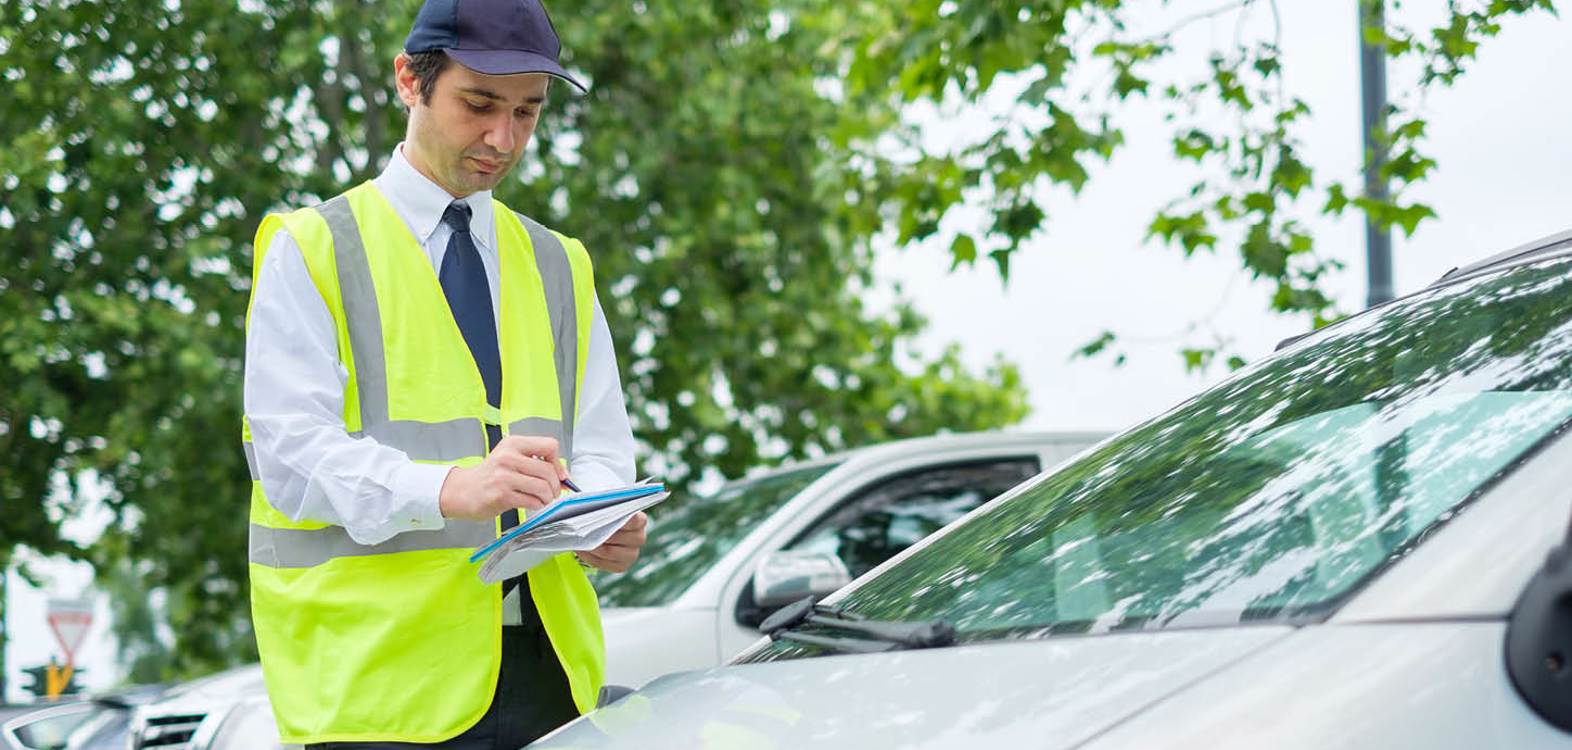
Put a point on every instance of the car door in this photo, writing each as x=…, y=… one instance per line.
x=883, y=519
x=879, y=519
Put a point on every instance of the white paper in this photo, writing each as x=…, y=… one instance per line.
x=585, y=531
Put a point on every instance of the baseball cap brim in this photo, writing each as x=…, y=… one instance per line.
x=506, y=62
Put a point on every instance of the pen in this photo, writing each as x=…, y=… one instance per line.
x=568, y=483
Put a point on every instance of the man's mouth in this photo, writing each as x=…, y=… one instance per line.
x=488, y=167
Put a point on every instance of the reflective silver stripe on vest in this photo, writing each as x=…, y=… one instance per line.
x=251, y=460
x=307, y=548
x=556, y=276
x=440, y=441
x=427, y=441
x=363, y=319
x=543, y=427
x=422, y=441
x=459, y=438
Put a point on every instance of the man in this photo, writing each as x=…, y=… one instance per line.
x=421, y=363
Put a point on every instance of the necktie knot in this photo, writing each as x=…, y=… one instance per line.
x=457, y=216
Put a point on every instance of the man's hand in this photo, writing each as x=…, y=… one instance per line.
x=521, y=472
x=619, y=552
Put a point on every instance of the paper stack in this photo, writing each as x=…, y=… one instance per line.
x=574, y=522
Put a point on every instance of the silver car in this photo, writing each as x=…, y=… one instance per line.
x=224, y=711
x=1356, y=543
x=716, y=566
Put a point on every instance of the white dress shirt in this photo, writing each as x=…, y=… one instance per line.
x=311, y=468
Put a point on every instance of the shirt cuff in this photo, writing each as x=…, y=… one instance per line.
x=419, y=489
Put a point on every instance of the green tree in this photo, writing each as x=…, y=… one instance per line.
x=1079, y=64
x=141, y=143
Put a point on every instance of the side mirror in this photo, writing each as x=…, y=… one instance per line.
x=1539, y=640
x=610, y=694
x=786, y=576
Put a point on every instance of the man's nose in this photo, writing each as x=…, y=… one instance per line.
x=500, y=135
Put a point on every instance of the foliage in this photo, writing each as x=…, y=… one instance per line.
x=142, y=142
x=1077, y=64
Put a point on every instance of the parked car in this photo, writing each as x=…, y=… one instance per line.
x=224, y=711
x=1360, y=542
x=716, y=566
x=99, y=722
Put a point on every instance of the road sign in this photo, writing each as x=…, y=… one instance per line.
x=69, y=619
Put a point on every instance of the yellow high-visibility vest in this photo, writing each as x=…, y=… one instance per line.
x=401, y=641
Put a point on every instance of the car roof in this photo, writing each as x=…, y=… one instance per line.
x=1550, y=246
x=1026, y=440
x=1528, y=252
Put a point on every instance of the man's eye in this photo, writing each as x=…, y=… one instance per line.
x=473, y=107
x=524, y=114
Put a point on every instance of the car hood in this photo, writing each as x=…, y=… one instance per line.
x=630, y=616
x=1051, y=693
x=643, y=643
x=222, y=687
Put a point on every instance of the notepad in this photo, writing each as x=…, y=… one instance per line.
x=573, y=522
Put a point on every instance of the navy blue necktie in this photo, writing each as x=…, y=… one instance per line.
x=469, y=297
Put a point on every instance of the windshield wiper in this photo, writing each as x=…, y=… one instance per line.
x=875, y=635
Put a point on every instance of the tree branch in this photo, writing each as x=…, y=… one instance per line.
x=330, y=107
x=1202, y=16
x=353, y=51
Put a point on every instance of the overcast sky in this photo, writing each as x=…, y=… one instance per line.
x=1502, y=135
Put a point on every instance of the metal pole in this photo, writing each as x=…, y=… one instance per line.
x=1372, y=70
x=5, y=572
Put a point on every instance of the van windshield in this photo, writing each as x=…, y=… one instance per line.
x=1274, y=495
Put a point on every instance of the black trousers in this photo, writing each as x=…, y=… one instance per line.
x=532, y=699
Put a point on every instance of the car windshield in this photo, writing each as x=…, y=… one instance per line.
x=685, y=540
x=1271, y=497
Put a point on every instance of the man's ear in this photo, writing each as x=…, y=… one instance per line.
x=406, y=83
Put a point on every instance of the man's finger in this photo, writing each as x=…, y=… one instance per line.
x=514, y=462
x=601, y=561
x=537, y=469
x=618, y=551
x=615, y=552
x=521, y=490
x=627, y=538
x=544, y=448
x=611, y=563
x=536, y=492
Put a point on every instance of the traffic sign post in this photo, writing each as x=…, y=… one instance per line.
x=50, y=681
x=70, y=620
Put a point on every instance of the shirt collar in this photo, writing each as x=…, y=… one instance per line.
x=421, y=202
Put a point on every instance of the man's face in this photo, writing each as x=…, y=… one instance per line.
x=475, y=126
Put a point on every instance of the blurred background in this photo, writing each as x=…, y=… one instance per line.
x=816, y=225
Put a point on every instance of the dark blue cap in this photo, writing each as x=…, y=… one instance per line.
x=496, y=37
